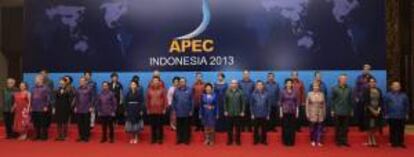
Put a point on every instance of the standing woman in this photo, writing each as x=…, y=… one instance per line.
x=62, y=107
x=209, y=113
x=220, y=88
x=289, y=112
x=21, y=109
x=316, y=113
x=170, y=94
x=134, y=106
x=106, y=106
x=372, y=100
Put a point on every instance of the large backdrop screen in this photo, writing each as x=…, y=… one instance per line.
x=203, y=35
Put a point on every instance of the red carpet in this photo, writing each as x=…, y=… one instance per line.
x=121, y=147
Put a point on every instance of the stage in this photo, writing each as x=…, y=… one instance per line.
x=121, y=147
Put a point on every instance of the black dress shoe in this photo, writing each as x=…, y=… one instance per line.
x=346, y=145
x=265, y=143
x=229, y=143
x=112, y=141
x=159, y=141
x=238, y=143
x=103, y=140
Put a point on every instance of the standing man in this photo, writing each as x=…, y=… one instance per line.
x=116, y=88
x=342, y=110
x=396, y=111
x=83, y=108
x=220, y=88
x=183, y=107
x=234, y=111
x=157, y=73
x=247, y=86
x=92, y=84
x=156, y=104
x=273, y=90
x=198, y=89
x=106, y=104
x=7, y=105
x=40, y=108
x=260, y=112
x=362, y=84
x=299, y=88
x=50, y=84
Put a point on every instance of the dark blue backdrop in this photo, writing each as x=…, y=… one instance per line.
x=122, y=35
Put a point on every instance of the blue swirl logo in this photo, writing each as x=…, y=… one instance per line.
x=203, y=25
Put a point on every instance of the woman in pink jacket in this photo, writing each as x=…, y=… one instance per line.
x=315, y=112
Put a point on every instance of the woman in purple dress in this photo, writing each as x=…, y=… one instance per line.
x=209, y=113
x=289, y=111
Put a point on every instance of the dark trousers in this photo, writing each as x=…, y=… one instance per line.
x=84, y=124
x=329, y=120
x=246, y=123
x=341, y=129
x=221, y=124
x=397, y=127
x=301, y=121
x=274, y=118
x=359, y=118
x=8, y=118
x=196, y=119
x=183, y=130
x=288, y=129
x=107, y=124
x=234, y=129
x=157, y=131
x=120, y=117
x=41, y=124
x=259, y=125
x=62, y=129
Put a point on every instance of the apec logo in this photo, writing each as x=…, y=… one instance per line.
x=187, y=44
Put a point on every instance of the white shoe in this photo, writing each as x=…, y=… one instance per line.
x=320, y=144
x=313, y=144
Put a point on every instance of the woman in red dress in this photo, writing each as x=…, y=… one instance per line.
x=21, y=110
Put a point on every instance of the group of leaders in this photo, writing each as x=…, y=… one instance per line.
x=240, y=105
